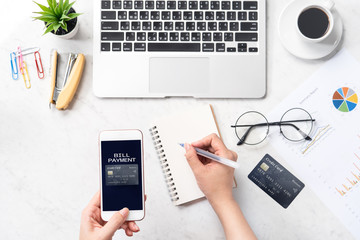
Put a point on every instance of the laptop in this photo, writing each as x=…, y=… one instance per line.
x=167, y=48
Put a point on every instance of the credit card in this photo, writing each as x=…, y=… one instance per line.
x=276, y=181
x=121, y=174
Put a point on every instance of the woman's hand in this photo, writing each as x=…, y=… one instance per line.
x=216, y=182
x=213, y=178
x=94, y=228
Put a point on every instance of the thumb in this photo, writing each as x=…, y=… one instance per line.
x=192, y=158
x=115, y=223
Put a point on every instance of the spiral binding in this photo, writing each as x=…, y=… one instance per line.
x=164, y=164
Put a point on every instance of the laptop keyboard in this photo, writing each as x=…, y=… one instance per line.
x=179, y=26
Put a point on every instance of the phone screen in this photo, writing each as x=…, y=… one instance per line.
x=121, y=175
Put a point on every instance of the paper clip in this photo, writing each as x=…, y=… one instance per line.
x=25, y=75
x=14, y=66
x=23, y=67
x=21, y=61
x=28, y=51
x=39, y=65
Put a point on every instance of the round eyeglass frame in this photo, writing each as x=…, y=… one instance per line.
x=312, y=124
x=268, y=126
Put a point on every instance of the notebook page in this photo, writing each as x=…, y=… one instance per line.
x=184, y=127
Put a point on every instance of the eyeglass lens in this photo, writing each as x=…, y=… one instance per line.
x=296, y=124
x=253, y=128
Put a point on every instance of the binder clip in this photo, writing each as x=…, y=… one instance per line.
x=62, y=96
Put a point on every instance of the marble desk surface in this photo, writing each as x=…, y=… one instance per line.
x=49, y=158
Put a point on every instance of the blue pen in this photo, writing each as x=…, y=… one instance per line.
x=214, y=157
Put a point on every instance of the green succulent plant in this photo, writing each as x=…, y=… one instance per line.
x=56, y=15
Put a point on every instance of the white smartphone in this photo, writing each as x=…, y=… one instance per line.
x=122, y=173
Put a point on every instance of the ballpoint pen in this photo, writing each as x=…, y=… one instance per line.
x=214, y=157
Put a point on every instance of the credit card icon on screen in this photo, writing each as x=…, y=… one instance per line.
x=122, y=175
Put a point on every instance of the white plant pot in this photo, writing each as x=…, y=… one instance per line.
x=71, y=34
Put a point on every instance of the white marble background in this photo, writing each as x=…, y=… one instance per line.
x=49, y=159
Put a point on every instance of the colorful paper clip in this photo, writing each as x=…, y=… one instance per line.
x=21, y=60
x=39, y=65
x=23, y=69
x=28, y=51
x=14, y=66
x=25, y=75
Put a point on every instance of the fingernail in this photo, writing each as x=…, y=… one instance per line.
x=187, y=146
x=136, y=227
x=124, y=212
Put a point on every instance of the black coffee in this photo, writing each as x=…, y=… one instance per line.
x=313, y=23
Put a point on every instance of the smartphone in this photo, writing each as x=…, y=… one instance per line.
x=122, y=173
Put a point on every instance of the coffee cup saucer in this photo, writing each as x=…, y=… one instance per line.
x=299, y=47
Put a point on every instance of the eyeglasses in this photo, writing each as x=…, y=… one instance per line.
x=252, y=127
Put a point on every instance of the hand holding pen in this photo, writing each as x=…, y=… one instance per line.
x=214, y=179
x=211, y=156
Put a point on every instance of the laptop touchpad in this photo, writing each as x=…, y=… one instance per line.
x=179, y=76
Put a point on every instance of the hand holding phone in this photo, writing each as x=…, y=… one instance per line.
x=121, y=173
x=93, y=227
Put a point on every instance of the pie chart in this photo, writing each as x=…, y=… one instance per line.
x=345, y=99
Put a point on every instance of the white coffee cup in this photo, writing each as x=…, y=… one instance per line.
x=312, y=32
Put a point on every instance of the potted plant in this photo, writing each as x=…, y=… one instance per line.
x=59, y=18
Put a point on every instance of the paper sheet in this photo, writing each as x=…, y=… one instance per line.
x=330, y=163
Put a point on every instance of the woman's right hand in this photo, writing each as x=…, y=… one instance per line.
x=216, y=182
x=214, y=179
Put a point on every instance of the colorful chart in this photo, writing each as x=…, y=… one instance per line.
x=345, y=99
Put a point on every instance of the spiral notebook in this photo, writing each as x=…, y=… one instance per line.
x=167, y=133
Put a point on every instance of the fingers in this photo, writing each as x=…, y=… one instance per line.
x=130, y=228
x=128, y=232
x=133, y=227
x=115, y=223
x=212, y=142
x=215, y=145
x=192, y=158
x=234, y=155
x=124, y=226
